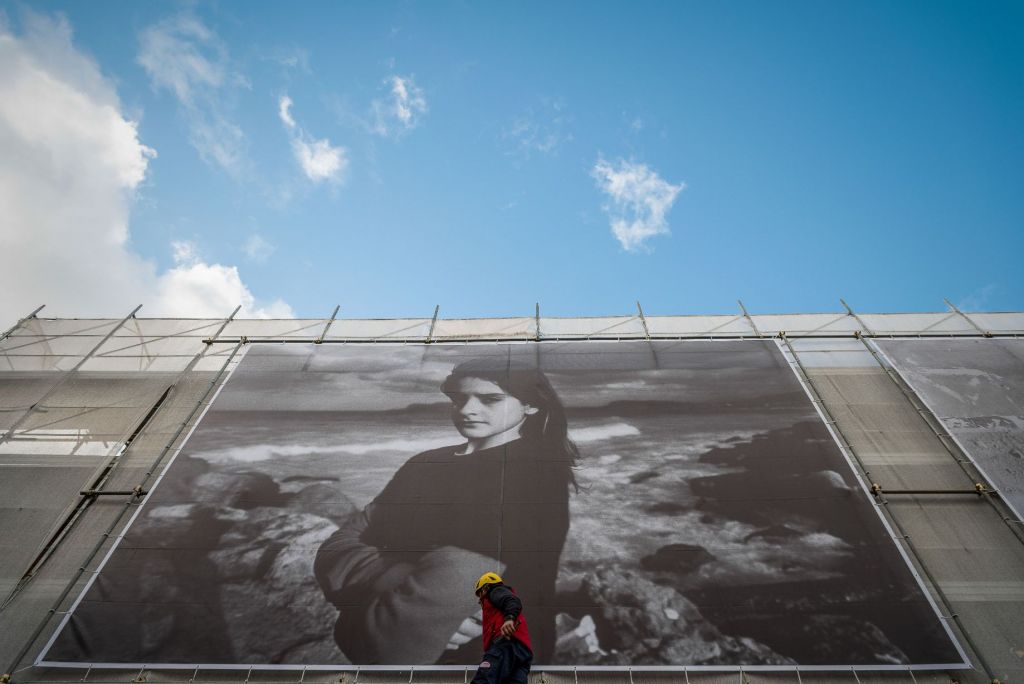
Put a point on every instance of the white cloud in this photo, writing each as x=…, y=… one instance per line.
x=184, y=252
x=195, y=288
x=319, y=159
x=639, y=201
x=69, y=172
x=284, y=110
x=257, y=249
x=401, y=111
x=408, y=100
x=183, y=56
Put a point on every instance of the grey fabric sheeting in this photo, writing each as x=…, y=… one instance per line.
x=32, y=498
x=84, y=423
x=976, y=389
x=56, y=451
x=971, y=553
x=980, y=566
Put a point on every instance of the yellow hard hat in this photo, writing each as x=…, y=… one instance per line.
x=487, y=578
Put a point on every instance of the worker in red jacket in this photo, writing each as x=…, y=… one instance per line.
x=507, y=651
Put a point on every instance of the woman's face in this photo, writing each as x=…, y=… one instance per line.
x=482, y=409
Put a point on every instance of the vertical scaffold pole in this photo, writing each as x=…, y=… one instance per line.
x=21, y=322
x=750, y=320
x=63, y=378
x=845, y=446
x=536, y=322
x=952, y=307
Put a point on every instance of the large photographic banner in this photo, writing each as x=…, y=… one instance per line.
x=654, y=504
x=975, y=387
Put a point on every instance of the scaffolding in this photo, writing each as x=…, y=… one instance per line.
x=91, y=411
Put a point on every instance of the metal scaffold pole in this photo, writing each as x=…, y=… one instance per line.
x=750, y=320
x=952, y=307
x=864, y=326
x=645, y=332
x=433, y=322
x=327, y=326
x=643, y=319
x=213, y=338
x=21, y=322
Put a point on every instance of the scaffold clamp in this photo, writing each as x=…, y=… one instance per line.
x=980, y=488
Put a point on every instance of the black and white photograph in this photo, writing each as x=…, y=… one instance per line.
x=976, y=389
x=653, y=503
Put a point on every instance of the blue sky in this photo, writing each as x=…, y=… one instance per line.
x=388, y=157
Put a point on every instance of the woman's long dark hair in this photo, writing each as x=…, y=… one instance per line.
x=547, y=426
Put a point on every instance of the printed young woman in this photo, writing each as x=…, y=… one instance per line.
x=397, y=572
